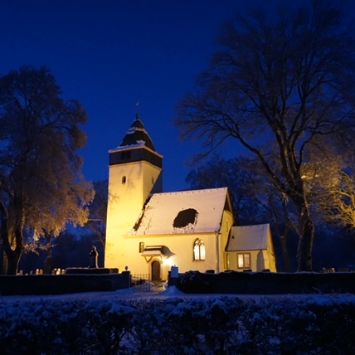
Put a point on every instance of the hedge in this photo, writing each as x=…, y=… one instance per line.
x=202, y=325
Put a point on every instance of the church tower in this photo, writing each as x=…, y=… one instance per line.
x=135, y=173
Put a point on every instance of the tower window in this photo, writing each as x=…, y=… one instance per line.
x=124, y=179
x=199, y=250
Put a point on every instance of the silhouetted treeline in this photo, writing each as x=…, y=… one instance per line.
x=69, y=250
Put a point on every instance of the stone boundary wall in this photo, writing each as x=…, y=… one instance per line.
x=58, y=284
x=266, y=282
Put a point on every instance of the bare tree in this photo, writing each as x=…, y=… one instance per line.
x=41, y=186
x=276, y=85
x=254, y=198
x=333, y=192
x=341, y=208
x=98, y=210
x=219, y=172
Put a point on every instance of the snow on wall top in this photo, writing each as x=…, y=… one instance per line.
x=185, y=212
x=244, y=238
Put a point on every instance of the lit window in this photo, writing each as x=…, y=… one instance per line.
x=243, y=261
x=199, y=250
x=124, y=179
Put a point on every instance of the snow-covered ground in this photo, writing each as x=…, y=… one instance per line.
x=161, y=293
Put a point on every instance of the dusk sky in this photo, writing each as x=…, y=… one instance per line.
x=110, y=54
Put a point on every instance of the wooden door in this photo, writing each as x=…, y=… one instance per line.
x=155, y=270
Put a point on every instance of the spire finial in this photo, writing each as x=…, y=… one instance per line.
x=138, y=115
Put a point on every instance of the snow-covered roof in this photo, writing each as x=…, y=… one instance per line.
x=126, y=147
x=137, y=134
x=248, y=237
x=184, y=212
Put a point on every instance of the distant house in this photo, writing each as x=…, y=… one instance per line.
x=149, y=230
x=251, y=248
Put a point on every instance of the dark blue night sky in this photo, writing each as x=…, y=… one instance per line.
x=110, y=54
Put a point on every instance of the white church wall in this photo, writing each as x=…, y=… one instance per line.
x=129, y=186
x=259, y=260
x=227, y=222
x=232, y=260
x=180, y=245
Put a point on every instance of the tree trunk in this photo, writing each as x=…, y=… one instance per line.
x=284, y=252
x=305, y=244
x=12, y=255
x=47, y=265
x=13, y=258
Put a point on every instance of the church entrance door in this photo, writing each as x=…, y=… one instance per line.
x=155, y=270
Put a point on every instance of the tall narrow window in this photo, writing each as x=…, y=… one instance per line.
x=124, y=179
x=199, y=250
x=141, y=247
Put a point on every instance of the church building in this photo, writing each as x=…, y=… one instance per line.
x=149, y=230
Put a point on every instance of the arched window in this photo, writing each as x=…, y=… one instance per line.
x=199, y=250
x=124, y=179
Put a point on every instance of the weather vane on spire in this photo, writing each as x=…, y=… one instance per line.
x=137, y=110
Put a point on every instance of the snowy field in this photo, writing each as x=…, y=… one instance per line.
x=163, y=293
x=168, y=321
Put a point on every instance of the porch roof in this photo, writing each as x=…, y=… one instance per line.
x=157, y=250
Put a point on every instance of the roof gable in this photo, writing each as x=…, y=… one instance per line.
x=185, y=212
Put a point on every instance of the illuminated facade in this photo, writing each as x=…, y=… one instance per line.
x=251, y=248
x=148, y=230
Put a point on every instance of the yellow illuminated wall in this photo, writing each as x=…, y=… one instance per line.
x=182, y=247
x=259, y=259
x=129, y=186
